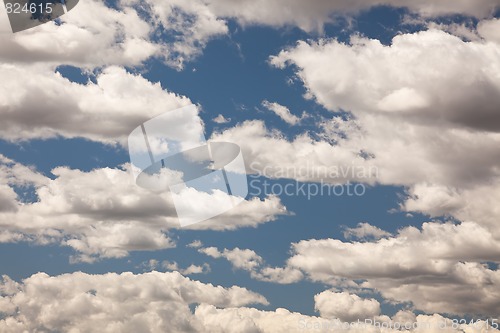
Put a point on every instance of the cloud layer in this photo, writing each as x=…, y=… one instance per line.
x=160, y=302
x=150, y=302
x=102, y=213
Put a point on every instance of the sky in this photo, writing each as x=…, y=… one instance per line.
x=369, y=132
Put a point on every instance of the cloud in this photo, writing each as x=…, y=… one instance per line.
x=8, y=199
x=91, y=35
x=251, y=262
x=249, y=320
x=101, y=41
x=312, y=15
x=150, y=302
x=160, y=302
x=191, y=269
x=220, y=119
x=243, y=259
x=17, y=174
x=400, y=80
x=103, y=214
x=365, y=231
x=94, y=35
x=249, y=213
x=283, y=112
x=476, y=203
x=304, y=158
x=191, y=23
x=346, y=307
x=435, y=268
x=105, y=111
x=195, y=244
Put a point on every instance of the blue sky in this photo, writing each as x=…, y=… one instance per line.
x=408, y=252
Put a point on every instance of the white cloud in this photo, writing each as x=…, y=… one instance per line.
x=7, y=236
x=367, y=76
x=195, y=244
x=281, y=275
x=220, y=119
x=150, y=302
x=305, y=159
x=101, y=41
x=7, y=198
x=102, y=213
x=249, y=320
x=191, y=269
x=477, y=203
x=105, y=111
x=240, y=258
x=249, y=213
x=91, y=35
x=94, y=35
x=346, y=307
x=191, y=22
x=13, y=173
x=434, y=268
x=159, y=302
x=283, y=112
x=312, y=15
x=251, y=262
x=365, y=231
x=434, y=200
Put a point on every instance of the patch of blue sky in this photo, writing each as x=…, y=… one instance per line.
x=78, y=153
x=75, y=74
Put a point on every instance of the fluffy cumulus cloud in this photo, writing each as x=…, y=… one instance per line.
x=478, y=203
x=305, y=158
x=160, y=302
x=94, y=34
x=435, y=268
x=102, y=213
x=78, y=302
x=283, y=112
x=106, y=111
x=250, y=261
x=346, y=307
x=365, y=231
x=100, y=40
x=154, y=264
x=312, y=15
x=191, y=269
x=193, y=24
x=220, y=119
x=281, y=320
x=401, y=79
